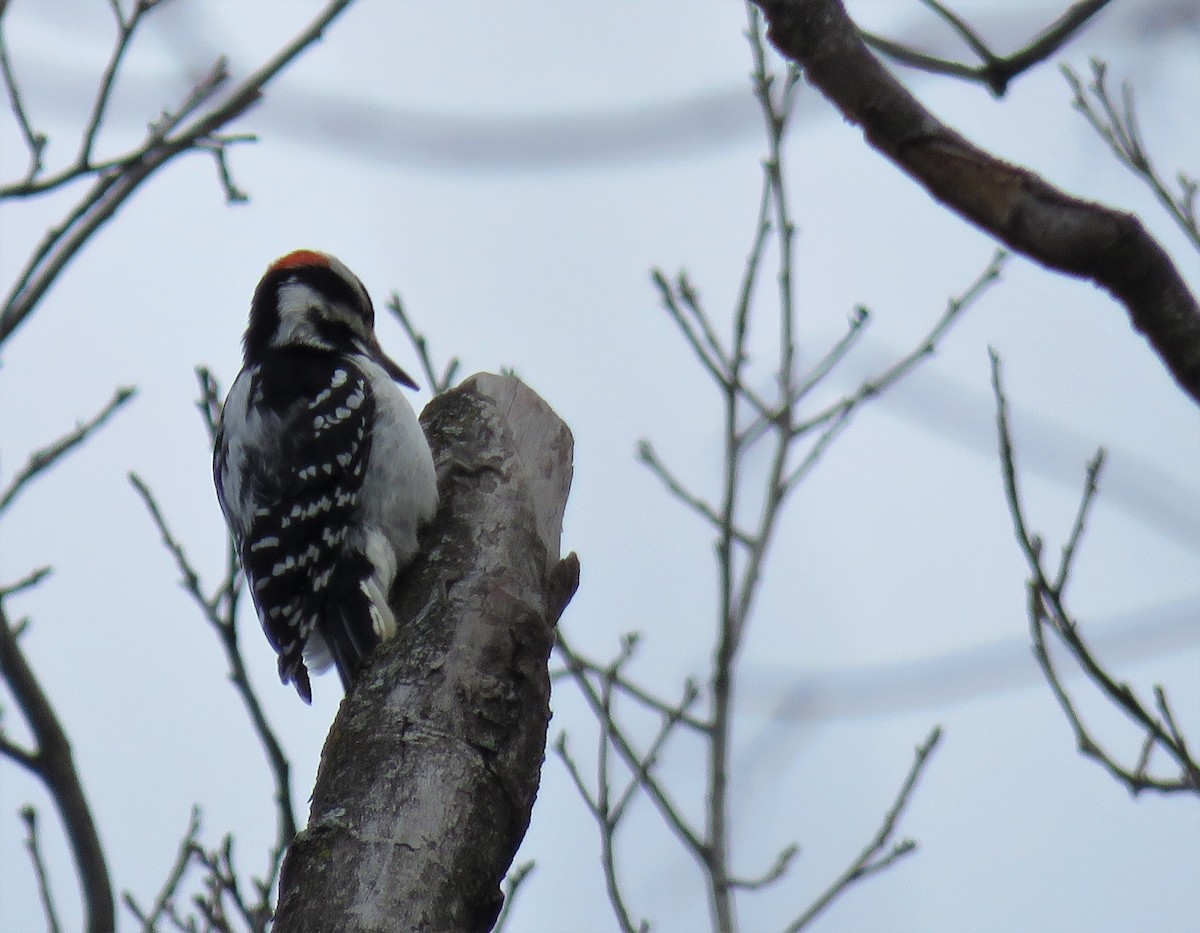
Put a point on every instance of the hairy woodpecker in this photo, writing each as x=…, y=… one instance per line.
x=321, y=468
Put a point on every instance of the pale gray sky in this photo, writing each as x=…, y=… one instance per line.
x=514, y=170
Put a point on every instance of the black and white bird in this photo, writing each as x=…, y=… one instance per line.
x=322, y=470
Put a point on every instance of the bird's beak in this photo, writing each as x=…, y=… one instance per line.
x=375, y=352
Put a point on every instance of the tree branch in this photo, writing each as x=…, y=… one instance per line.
x=870, y=861
x=1066, y=234
x=41, y=460
x=446, y=726
x=116, y=181
x=1117, y=125
x=994, y=71
x=1047, y=610
x=54, y=765
x=220, y=611
x=33, y=844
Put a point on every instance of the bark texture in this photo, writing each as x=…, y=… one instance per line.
x=431, y=768
x=1065, y=233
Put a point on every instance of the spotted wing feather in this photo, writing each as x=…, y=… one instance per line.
x=302, y=575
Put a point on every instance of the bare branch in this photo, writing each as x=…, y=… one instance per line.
x=778, y=869
x=995, y=72
x=115, y=182
x=33, y=845
x=209, y=403
x=220, y=610
x=873, y=859
x=1064, y=233
x=927, y=347
x=219, y=147
x=54, y=766
x=1118, y=126
x=437, y=384
x=1085, y=503
x=163, y=903
x=125, y=31
x=714, y=360
x=512, y=884
x=30, y=580
x=647, y=455
x=1047, y=610
x=42, y=460
x=658, y=795
x=35, y=142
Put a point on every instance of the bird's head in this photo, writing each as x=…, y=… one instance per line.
x=311, y=300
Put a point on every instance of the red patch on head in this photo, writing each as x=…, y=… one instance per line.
x=300, y=258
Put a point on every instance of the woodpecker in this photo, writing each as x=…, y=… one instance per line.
x=321, y=467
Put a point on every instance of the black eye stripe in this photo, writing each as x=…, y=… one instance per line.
x=337, y=289
x=334, y=287
x=334, y=333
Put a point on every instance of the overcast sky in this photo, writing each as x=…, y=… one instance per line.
x=514, y=171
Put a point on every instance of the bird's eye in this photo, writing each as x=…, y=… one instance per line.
x=334, y=332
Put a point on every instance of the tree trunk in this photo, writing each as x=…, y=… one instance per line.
x=431, y=768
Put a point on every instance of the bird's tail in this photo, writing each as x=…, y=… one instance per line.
x=356, y=616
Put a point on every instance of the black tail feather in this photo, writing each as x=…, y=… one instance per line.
x=346, y=625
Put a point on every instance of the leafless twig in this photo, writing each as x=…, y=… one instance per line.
x=220, y=611
x=743, y=516
x=1048, y=613
x=1019, y=208
x=512, y=884
x=1118, y=126
x=873, y=859
x=30, y=580
x=994, y=71
x=188, y=128
x=33, y=844
x=437, y=384
x=41, y=460
x=164, y=902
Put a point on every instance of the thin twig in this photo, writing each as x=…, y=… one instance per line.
x=1118, y=126
x=188, y=847
x=607, y=836
x=666, y=806
x=41, y=460
x=648, y=456
x=715, y=361
x=125, y=31
x=928, y=345
x=671, y=718
x=437, y=384
x=777, y=870
x=642, y=695
x=1047, y=610
x=1095, y=465
x=994, y=72
x=35, y=142
x=512, y=884
x=33, y=845
x=220, y=610
x=30, y=580
x=870, y=861
x=114, y=185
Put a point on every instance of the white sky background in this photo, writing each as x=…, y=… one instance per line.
x=896, y=553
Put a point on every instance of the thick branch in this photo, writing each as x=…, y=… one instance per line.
x=429, y=774
x=1064, y=233
x=165, y=140
x=55, y=767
